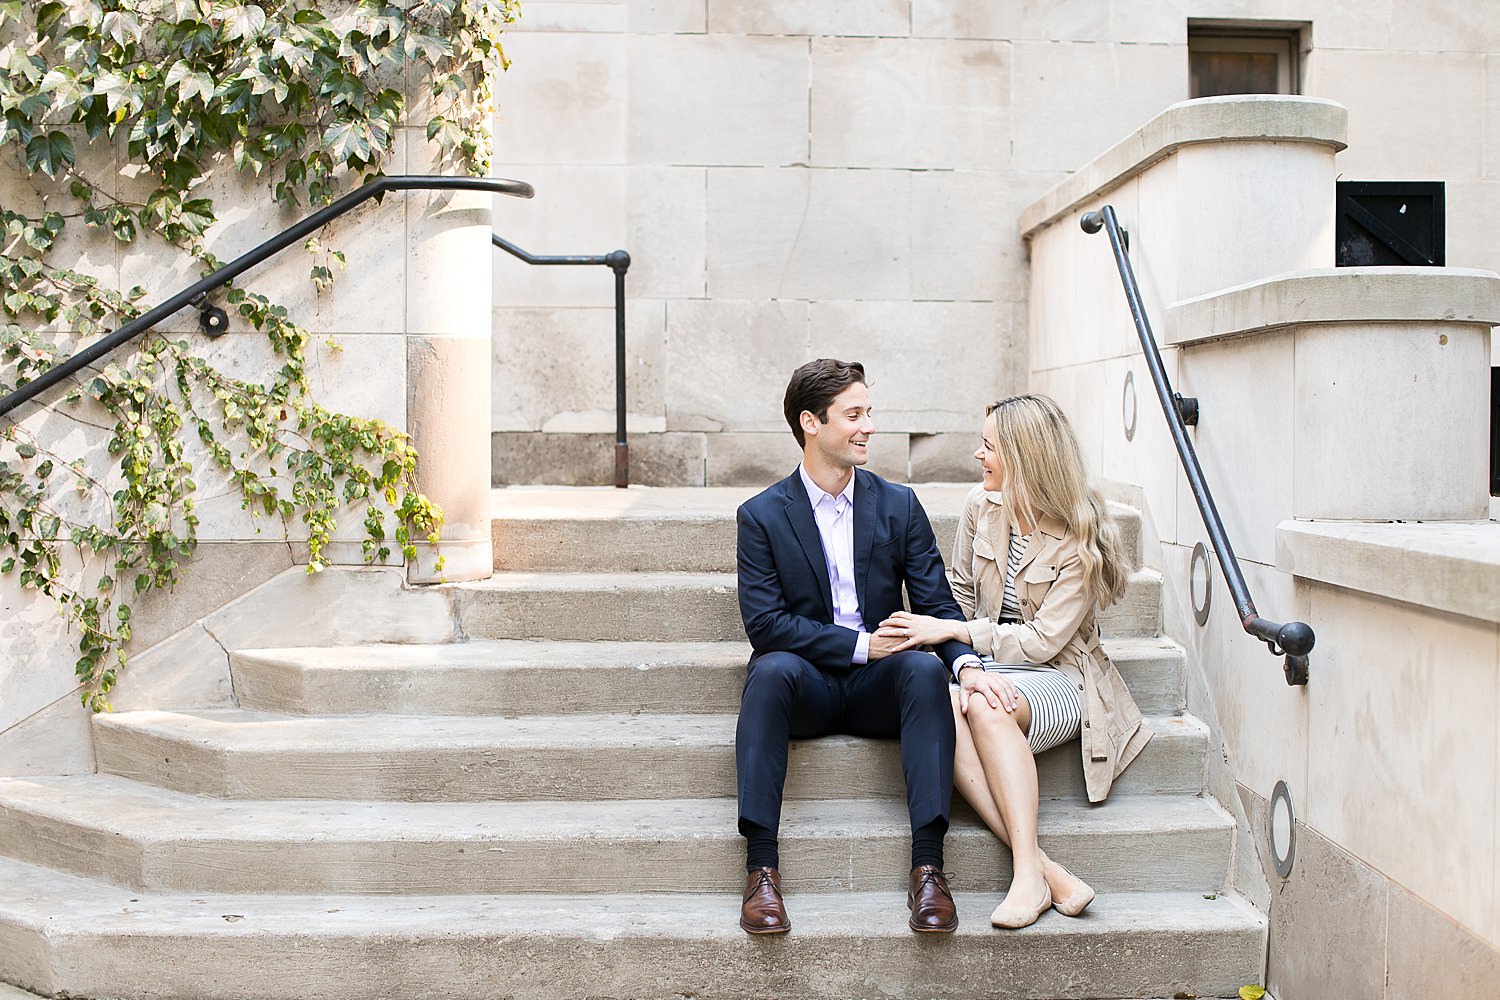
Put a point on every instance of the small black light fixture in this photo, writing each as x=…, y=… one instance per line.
x=213, y=319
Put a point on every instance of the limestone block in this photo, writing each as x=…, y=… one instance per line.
x=796, y=17
x=533, y=458
x=189, y=670
x=563, y=98
x=1074, y=99
x=963, y=241
x=40, y=652
x=1435, y=949
x=944, y=458
x=933, y=366
x=762, y=459
x=608, y=16
x=668, y=232
x=1354, y=460
x=728, y=362
x=1282, y=186
x=1445, y=27
x=683, y=87
x=577, y=211
x=218, y=573
x=811, y=234
x=1396, y=130
x=1473, y=210
x=447, y=400
x=337, y=607
x=913, y=103
x=1050, y=20
x=1243, y=439
x=667, y=459
x=1397, y=685
x=1329, y=924
x=657, y=16
x=56, y=739
x=750, y=459
x=554, y=369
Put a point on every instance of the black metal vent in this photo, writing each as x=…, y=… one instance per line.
x=1385, y=223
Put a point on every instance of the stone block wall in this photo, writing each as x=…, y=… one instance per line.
x=797, y=178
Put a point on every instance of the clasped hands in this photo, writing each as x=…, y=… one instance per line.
x=905, y=630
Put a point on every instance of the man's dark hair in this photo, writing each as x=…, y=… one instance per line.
x=814, y=386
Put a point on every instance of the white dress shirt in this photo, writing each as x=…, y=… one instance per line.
x=835, y=518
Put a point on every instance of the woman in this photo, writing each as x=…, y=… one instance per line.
x=1037, y=555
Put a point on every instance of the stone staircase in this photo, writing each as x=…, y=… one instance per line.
x=546, y=809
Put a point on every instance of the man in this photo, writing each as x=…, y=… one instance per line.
x=823, y=555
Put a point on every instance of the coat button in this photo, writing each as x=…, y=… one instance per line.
x=1080, y=687
x=1085, y=724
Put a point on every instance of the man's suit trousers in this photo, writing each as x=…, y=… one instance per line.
x=903, y=695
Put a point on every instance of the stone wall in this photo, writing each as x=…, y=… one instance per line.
x=1343, y=431
x=796, y=179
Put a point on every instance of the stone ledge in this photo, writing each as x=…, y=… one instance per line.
x=1338, y=295
x=1261, y=118
x=1451, y=566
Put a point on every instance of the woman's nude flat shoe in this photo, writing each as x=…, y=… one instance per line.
x=1079, y=901
x=1013, y=917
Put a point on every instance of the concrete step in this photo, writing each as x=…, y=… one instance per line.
x=512, y=677
x=240, y=754
x=674, y=607
x=659, y=530
x=153, y=839
x=78, y=937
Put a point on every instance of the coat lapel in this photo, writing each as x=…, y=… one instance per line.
x=799, y=513
x=864, y=535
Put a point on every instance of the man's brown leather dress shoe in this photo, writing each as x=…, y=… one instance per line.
x=761, y=909
x=930, y=901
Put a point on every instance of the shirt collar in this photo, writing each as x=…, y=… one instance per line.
x=816, y=493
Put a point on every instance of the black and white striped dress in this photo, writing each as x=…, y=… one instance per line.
x=1056, y=715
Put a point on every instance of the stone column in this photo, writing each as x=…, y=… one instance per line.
x=449, y=271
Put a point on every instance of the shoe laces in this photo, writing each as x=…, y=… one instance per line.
x=762, y=880
x=932, y=875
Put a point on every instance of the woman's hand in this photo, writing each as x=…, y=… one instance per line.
x=921, y=630
x=994, y=688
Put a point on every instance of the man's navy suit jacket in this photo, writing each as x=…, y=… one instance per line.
x=785, y=597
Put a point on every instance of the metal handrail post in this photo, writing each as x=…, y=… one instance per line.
x=617, y=261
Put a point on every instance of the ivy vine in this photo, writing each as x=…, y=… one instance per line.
x=307, y=98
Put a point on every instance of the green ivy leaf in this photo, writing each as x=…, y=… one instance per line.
x=51, y=153
x=247, y=22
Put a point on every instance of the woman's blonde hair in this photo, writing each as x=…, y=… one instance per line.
x=1044, y=477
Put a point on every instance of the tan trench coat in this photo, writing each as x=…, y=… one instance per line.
x=1059, y=627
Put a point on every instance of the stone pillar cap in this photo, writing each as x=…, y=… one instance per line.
x=1338, y=295
x=1241, y=118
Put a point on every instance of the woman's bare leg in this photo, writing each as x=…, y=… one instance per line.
x=969, y=778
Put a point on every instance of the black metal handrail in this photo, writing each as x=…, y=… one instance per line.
x=617, y=261
x=1293, y=640
x=196, y=293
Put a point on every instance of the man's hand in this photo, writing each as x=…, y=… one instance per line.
x=921, y=630
x=882, y=645
x=976, y=682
